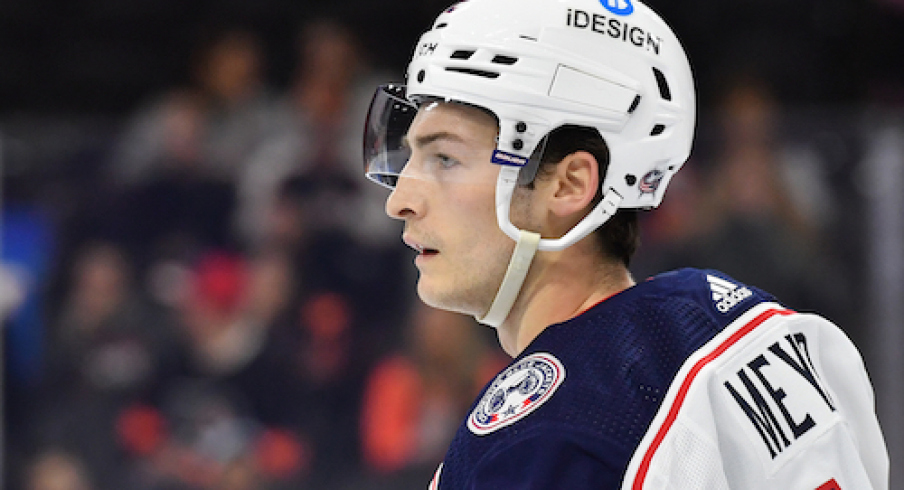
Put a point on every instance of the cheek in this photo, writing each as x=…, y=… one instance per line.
x=485, y=249
x=478, y=217
x=476, y=254
x=524, y=214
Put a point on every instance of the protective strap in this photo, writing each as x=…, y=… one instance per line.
x=513, y=280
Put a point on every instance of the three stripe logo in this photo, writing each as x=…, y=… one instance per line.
x=727, y=294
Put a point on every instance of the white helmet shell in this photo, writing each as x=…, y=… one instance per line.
x=613, y=65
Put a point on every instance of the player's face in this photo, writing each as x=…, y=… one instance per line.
x=445, y=195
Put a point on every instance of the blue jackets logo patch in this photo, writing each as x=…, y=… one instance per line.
x=516, y=392
x=618, y=7
x=650, y=182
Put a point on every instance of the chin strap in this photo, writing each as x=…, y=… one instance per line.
x=513, y=280
x=529, y=242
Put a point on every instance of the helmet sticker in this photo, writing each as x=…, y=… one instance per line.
x=426, y=49
x=508, y=159
x=618, y=7
x=650, y=182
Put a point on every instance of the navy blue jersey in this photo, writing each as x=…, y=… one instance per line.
x=571, y=410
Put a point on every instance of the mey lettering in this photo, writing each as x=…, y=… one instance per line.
x=803, y=365
x=755, y=401
x=615, y=29
x=779, y=395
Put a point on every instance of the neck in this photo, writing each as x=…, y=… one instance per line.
x=560, y=286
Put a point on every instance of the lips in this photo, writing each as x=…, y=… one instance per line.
x=419, y=247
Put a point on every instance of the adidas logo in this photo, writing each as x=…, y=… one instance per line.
x=727, y=294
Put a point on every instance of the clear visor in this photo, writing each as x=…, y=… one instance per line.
x=388, y=120
x=387, y=152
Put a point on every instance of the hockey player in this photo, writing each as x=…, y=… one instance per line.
x=529, y=133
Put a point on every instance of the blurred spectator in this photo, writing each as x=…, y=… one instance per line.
x=57, y=470
x=272, y=286
x=332, y=260
x=324, y=357
x=180, y=207
x=173, y=141
x=107, y=349
x=751, y=171
x=177, y=161
x=203, y=437
x=415, y=400
x=318, y=135
x=225, y=418
x=233, y=305
x=106, y=340
x=220, y=338
x=209, y=127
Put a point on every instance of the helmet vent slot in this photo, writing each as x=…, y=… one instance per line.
x=476, y=73
x=657, y=130
x=664, y=89
x=504, y=60
x=441, y=25
x=462, y=54
x=634, y=105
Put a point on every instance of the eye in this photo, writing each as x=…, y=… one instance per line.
x=445, y=161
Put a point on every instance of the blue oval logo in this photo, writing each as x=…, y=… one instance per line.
x=618, y=7
x=516, y=392
x=649, y=184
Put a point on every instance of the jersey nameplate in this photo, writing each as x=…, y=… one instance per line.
x=779, y=396
x=516, y=392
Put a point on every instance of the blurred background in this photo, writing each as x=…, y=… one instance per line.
x=199, y=290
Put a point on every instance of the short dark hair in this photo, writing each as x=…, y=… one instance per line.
x=619, y=237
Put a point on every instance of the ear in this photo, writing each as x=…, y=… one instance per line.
x=576, y=183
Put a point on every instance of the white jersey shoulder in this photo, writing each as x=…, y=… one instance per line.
x=777, y=400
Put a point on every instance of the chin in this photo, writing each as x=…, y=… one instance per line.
x=430, y=296
x=444, y=300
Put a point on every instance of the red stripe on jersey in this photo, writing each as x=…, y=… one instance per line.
x=434, y=484
x=686, y=385
x=830, y=485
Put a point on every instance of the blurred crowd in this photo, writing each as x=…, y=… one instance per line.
x=221, y=305
x=225, y=306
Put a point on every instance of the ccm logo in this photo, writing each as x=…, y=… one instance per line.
x=830, y=485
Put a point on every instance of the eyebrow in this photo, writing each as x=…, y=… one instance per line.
x=424, y=140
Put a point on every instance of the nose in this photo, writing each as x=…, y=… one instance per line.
x=404, y=202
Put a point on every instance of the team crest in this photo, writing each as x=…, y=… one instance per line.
x=650, y=182
x=516, y=392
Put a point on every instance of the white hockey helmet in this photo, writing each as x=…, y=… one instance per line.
x=613, y=65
